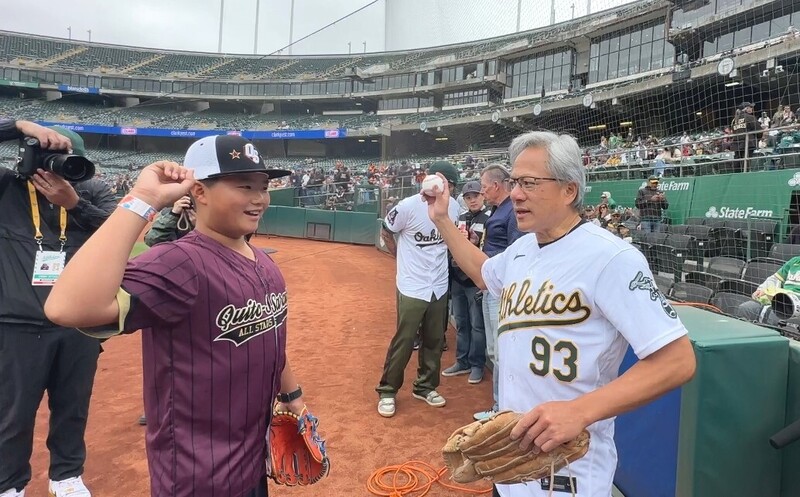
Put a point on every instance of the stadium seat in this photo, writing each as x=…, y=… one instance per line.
x=663, y=283
x=690, y=292
x=726, y=267
x=713, y=222
x=677, y=229
x=727, y=302
x=741, y=287
x=752, y=238
x=696, y=221
x=725, y=242
x=784, y=251
x=719, y=269
x=655, y=238
x=687, y=254
x=702, y=234
x=758, y=270
x=663, y=260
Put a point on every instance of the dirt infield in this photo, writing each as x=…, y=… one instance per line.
x=341, y=318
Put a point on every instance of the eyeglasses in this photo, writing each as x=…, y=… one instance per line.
x=526, y=183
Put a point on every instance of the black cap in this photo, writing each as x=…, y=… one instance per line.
x=221, y=155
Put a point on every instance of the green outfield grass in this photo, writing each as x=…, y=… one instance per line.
x=138, y=249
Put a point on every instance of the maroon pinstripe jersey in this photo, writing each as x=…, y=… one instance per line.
x=214, y=334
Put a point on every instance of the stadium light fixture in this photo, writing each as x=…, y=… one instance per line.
x=732, y=83
x=597, y=127
x=626, y=123
x=698, y=113
x=491, y=136
x=361, y=141
x=441, y=138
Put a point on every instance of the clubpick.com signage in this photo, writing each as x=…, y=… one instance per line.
x=284, y=134
x=78, y=89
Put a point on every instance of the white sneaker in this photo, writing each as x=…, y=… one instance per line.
x=480, y=416
x=433, y=398
x=71, y=487
x=386, y=407
x=12, y=492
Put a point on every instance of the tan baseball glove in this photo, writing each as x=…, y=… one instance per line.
x=484, y=450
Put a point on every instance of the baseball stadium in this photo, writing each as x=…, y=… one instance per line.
x=636, y=162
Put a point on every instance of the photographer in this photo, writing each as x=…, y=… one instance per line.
x=45, y=219
x=651, y=203
x=172, y=223
x=760, y=310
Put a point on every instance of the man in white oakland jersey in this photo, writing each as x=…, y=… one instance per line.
x=422, y=292
x=573, y=296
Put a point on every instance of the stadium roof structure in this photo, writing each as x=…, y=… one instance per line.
x=39, y=52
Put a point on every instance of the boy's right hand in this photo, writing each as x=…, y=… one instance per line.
x=162, y=183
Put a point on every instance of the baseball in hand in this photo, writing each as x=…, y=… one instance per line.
x=429, y=182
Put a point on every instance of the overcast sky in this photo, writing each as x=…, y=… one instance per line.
x=194, y=24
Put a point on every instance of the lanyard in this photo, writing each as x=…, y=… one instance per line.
x=37, y=222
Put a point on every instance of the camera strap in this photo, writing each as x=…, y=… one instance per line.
x=37, y=223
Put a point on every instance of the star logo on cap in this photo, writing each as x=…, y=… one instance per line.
x=235, y=154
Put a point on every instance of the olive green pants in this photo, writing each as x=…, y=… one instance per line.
x=430, y=318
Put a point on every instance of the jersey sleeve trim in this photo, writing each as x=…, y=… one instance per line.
x=112, y=329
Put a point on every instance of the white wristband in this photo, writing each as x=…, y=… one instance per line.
x=140, y=207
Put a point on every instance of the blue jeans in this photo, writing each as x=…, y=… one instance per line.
x=470, y=334
x=651, y=226
x=491, y=321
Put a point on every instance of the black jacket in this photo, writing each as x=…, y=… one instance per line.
x=649, y=208
x=476, y=221
x=20, y=302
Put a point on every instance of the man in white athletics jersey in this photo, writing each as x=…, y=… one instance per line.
x=422, y=291
x=572, y=297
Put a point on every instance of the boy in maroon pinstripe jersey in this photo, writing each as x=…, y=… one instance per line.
x=212, y=310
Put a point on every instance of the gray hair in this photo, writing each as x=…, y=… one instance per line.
x=564, y=164
x=496, y=172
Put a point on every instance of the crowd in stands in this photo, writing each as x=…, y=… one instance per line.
x=774, y=142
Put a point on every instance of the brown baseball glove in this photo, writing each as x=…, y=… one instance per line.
x=484, y=450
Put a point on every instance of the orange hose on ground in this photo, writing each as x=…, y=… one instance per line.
x=405, y=480
x=699, y=305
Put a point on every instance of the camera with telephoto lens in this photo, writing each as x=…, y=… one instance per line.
x=32, y=156
x=786, y=305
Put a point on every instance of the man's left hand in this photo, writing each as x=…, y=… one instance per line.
x=55, y=189
x=549, y=425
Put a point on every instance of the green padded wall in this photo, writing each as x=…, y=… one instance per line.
x=730, y=409
x=340, y=226
x=282, y=196
x=319, y=224
x=764, y=194
x=284, y=221
x=361, y=225
x=790, y=482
